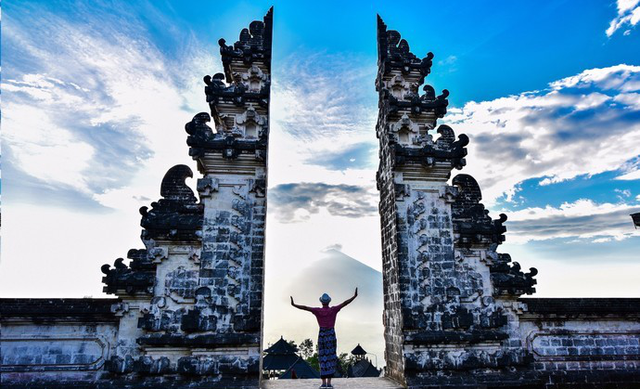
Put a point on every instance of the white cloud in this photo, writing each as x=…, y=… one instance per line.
x=628, y=16
x=448, y=64
x=319, y=95
x=94, y=111
x=110, y=113
x=119, y=107
x=583, y=219
x=450, y=60
x=44, y=150
x=54, y=252
x=579, y=126
x=630, y=171
x=622, y=194
x=323, y=114
x=118, y=95
x=622, y=78
x=600, y=270
x=298, y=201
x=630, y=99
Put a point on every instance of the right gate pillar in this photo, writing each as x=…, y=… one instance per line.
x=450, y=300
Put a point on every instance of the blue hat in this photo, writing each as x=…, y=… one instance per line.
x=325, y=299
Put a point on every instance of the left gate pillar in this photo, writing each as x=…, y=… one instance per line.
x=192, y=300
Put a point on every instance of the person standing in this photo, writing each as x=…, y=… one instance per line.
x=327, y=342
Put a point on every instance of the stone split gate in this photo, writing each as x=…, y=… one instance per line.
x=188, y=306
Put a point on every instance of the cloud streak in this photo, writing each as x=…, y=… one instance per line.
x=628, y=16
x=357, y=156
x=581, y=125
x=318, y=95
x=108, y=108
x=295, y=202
x=583, y=219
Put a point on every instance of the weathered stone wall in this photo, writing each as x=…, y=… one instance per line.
x=55, y=340
x=453, y=317
x=403, y=125
x=583, y=342
x=201, y=322
x=392, y=316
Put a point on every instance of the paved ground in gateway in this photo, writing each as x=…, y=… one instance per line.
x=338, y=383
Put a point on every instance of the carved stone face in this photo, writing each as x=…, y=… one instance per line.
x=405, y=131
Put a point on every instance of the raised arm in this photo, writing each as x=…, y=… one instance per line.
x=347, y=302
x=303, y=307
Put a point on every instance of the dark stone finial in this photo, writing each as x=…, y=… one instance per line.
x=446, y=134
x=119, y=264
x=198, y=126
x=201, y=139
x=470, y=191
x=216, y=82
x=393, y=37
x=462, y=142
x=508, y=279
x=394, y=53
x=429, y=93
x=254, y=44
x=178, y=215
x=134, y=279
x=245, y=36
x=471, y=221
x=174, y=185
x=256, y=28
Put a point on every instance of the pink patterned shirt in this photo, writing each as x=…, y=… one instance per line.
x=326, y=316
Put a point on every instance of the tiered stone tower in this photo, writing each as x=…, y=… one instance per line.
x=449, y=297
x=191, y=301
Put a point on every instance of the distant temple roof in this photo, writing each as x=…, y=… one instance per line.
x=301, y=369
x=363, y=368
x=280, y=356
x=278, y=361
x=281, y=347
x=358, y=350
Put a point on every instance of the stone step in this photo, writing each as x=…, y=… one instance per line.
x=338, y=383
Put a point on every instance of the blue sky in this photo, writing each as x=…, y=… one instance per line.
x=96, y=94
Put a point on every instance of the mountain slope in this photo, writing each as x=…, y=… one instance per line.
x=338, y=275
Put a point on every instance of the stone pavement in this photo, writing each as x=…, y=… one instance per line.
x=338, y=383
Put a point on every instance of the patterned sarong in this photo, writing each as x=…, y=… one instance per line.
x=327, y=352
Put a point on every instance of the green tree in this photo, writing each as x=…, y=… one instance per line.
x=345, y=360
x=306, y=348
x=313, y=361
x=293, y=343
